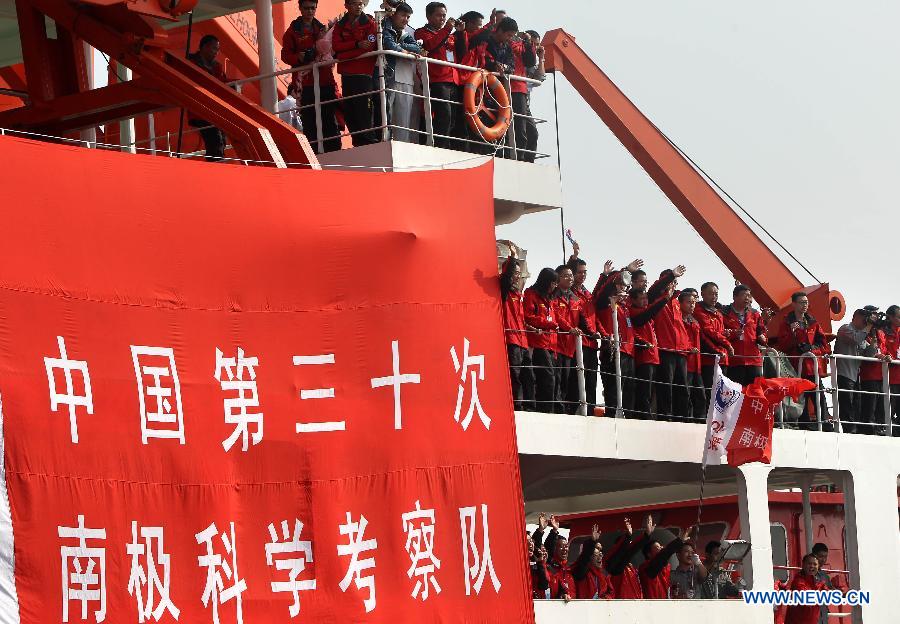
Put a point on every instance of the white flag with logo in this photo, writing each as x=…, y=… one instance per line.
x=724, y=408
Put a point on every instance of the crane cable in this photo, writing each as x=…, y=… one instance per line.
x=562, y=210
x=712, y=181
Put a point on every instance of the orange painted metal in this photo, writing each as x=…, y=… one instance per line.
x=732, y=240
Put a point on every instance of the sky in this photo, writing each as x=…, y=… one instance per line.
x=791, y=107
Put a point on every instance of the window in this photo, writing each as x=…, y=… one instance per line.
x=779, y=550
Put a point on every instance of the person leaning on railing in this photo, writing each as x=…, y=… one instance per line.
x=444, y=39
x=567, y=307
x=521, y=374
x=354, y=35
x=802, y=334
x=853, y=339
x=691, y=399
x=745, y=329
x=300, y=46
x=713, y=340
x=399, y=73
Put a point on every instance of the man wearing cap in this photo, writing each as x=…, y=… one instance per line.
x=856, y=339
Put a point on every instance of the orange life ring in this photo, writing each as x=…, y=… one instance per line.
x=473, y=102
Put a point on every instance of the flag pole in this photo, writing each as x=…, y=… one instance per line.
x=712, y=398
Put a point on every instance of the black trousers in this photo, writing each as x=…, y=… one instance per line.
x=692, y=400
x=895, y=408
x=532, y=129
x=329, y=122
x=671, y=373
x=565, y=372
x=643, y=391
x=520, y=107
x=358, y=111
x=848, y=402
x=744, y=375
x=871, y=406
x=521, y=377
x=213, y=139
x=610, y=392
x=808, y=419
x=544, y=362
x=590, y=378
x=446, y=116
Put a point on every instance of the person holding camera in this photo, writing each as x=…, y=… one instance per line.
x=855, y=339
x=802, y=334
x=871, y=374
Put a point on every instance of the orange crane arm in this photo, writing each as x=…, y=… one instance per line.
x=732, y=240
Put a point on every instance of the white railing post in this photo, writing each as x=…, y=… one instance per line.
x=579, y=366
x=379, y=63
x=151, y=128
x=617, y=358
x=886, y=389
x=835, y=392
x=317, y=107
x=426, y=98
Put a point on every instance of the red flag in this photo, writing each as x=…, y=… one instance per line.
x=752, y=436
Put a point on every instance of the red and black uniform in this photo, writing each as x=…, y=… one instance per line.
x=298, y=47
x=568, y=315
x=356, y=73
x=799, y=336
x=892, y=343
x=871, y=406
x=646, y=361
x=746, y=332
x=625, y=579
x=513, y=306
x=540, y=581
x=712, y=341
x=591, y=582
x=540, y=313
x=806, y=614
x=213, y=137
x=655, y=572
x=606, y=288
x=559, y=574
x=591, y=327
x=672, y=370
x=445, y=45
x=693, y=398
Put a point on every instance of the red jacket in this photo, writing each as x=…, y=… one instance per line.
x=810, y=339
x=514, y=319
x=568, y=315
x=670, y=331
x=596, y=585
x=806, y=614
x=298, y=47
x=540, y=314
x=692, y=327
x=628, y=585
x=626, y=582
x=712, y=335
x=606, y=287
x=443, y=45
x=745, y=338
x=561, y=581
x=592, y=324
x=654, y=587
x=872, y=371
x=892, y=343
x=644, y=335
x=522, y=53
x=347, y=34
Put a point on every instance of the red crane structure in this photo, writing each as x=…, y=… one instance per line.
x=730, y=238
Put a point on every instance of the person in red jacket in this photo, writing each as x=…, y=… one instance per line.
x=559, y=573
x=713, y=340
x=625, y=579
x=540, y=314
x=592, y=582
x=745, y=329
x=299, y=47
x=520, y=373
x=611, y=287
x=671, y=373
x=592, y=329
x=568, y=314
x=206, y=58
x=537, y=568
x=871, y=379
x=805, y=580
x=442, y=39
x=892, y=342
x=801, y=334
x=646, y=357
x=691, y=399
x=655, y=570
x=355, y=35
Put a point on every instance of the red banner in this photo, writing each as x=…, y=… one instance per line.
x=236, y=394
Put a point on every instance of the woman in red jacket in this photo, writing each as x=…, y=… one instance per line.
x=521, y=376
x=540, y=314
x=805, y=580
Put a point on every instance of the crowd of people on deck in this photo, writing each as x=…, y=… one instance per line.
x=353, y=102
x=669, y=341
x=597, y=575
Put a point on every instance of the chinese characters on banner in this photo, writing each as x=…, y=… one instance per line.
x=238, y=412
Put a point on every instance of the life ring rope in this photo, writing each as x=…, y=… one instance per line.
x=481, y=82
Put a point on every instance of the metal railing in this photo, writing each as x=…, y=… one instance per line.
x=819, y=411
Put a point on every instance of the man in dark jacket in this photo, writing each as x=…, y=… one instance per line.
x=206, y=58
